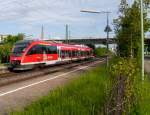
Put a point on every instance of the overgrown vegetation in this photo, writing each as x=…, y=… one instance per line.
x=143, y=96
x=5, y=48
x=102, y=52
x=124, y=73
x=128, y=28
x=130, y=95
x=84, y=96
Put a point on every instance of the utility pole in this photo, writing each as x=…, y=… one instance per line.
x=107, y=30
x=142, y=41
x=67, y=34
x=42, y=33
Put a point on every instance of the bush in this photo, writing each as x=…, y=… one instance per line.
x=5, y=52
x=5, y=49
x=100, y=52
x=124, y=73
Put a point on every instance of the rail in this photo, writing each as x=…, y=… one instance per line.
x=11, y=77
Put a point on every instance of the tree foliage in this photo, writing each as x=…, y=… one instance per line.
x=12, y=39
x=100, y=52
x=5, y=48
x=127, y=28
x=124, y=72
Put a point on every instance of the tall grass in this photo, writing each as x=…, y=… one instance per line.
x=83, y=96
x=142, y=88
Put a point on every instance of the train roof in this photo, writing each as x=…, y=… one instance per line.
x=23, y=42
x=65, y=46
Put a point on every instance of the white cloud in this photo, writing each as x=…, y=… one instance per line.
x=43, y=10
x=29, y=13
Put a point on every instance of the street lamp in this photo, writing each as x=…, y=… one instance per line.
x=142, y=41
x=107, y=29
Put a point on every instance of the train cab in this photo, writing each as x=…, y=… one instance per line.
x=17, y=53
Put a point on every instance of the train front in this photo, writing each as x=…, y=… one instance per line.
x=17, y=55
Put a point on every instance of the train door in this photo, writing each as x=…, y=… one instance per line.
x=44, y=56
x=34, y=55
x=44, y=52
x=52, y=53
x=59, y=53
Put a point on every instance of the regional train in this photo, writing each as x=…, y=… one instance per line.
x=28, y=54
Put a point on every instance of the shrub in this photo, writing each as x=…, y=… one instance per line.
x=124, y=73
x=100, y=52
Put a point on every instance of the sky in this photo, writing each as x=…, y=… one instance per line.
x=28, y=16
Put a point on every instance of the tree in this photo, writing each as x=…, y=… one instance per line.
x=101, y=52
x=127, y=28
x=12, y=39
x=5, y=49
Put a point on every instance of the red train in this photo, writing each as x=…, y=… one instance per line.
x=29, y=54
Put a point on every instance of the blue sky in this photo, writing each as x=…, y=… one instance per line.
x=27, y=16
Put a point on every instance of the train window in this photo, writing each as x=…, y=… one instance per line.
x=37, y=49
x=51, y=49
x=82, y=53
x=70, y=53
x=19, y=49
x=67, y=53
x=86, y=53
x=79, y=53
x=76, y=53
x=73, y=54
x=63, y=54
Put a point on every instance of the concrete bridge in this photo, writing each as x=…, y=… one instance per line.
x=92, y=40
x=89, y=40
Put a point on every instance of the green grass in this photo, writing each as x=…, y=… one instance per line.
x=143, y=96
x=83, y=96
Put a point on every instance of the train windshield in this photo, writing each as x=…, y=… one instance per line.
x=19, y=48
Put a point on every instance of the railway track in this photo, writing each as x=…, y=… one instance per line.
x=12, y=77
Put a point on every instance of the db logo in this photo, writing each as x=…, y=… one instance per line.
x=15, y=58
